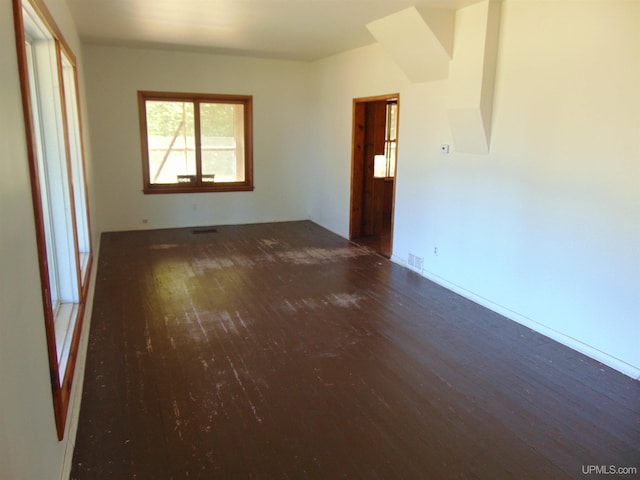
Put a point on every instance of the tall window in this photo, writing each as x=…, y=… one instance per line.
x=54, y=142
x=195, y=142
x=385, y=165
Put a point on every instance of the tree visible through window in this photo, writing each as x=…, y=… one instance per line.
x=195, y=142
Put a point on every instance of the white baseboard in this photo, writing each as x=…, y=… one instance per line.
x=588, y=350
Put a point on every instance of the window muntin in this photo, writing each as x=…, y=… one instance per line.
x=195, y=142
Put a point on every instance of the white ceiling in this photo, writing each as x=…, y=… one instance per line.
x=286, y=29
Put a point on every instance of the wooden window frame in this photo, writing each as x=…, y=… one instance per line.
x=62, y=356
x=198, y=186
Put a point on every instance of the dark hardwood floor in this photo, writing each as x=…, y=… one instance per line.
x=380, y=242
x=282, y=351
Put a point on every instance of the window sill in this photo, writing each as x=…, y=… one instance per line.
x=219, y=187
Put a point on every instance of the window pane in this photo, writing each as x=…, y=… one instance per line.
x=392, y=120
x=53, y=181
x=222, y=142
x=76, y=162
x=392, y=159
x=171, y=142
x=390, y=147
x=54, y=295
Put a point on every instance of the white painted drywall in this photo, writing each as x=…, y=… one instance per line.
x=546, y=227
x=364, y=72
x=472, y=76
x=281, y=124
x=412, y=43
x=29, y=447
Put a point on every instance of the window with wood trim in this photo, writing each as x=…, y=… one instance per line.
x=385, y=164
x=53, y=128
x=195, y=142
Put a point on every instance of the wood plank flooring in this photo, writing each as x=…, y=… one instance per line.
x=282, y=351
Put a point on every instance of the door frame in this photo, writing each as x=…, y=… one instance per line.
x=358, y=158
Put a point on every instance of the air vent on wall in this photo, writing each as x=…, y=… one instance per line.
x=416, y=262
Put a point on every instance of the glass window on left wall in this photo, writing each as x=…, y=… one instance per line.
x=56, y=161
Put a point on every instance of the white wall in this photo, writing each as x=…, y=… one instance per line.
x=281, y=125
x=545, y=228
x=364, y=72
x=29, y=447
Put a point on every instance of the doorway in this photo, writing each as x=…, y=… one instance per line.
x=373, y=171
